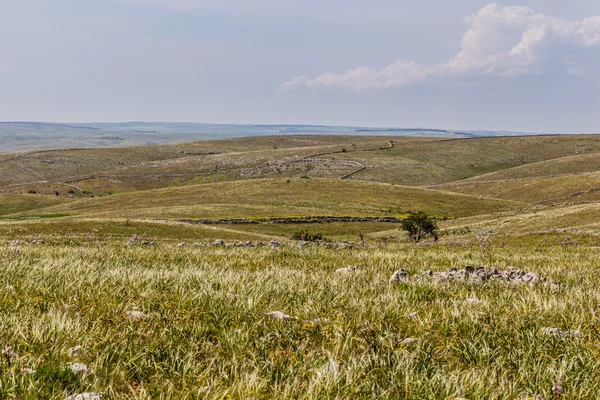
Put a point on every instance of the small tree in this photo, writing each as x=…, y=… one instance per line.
x=419, y=225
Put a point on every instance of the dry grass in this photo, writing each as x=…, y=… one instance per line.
x=206, y=333
x=285, y=197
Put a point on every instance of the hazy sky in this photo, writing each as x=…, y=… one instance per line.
x=469, y=64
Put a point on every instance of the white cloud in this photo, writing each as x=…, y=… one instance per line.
x=501, y=41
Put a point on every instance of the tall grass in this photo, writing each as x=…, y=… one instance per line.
x=205, y=333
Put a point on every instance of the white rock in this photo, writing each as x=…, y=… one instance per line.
x=136, y=315
x=279, y=315
x=399, y=276
x=85, y=396
x=561, y=332
x=346, y=270
x=473, y=301
x=79, y=368
x=410, y=340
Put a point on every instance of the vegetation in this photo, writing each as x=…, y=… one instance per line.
x=164, y=290
x=419, y=225
x=206, y=332
x=307, y=236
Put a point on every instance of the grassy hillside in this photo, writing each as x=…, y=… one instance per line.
x=550, y=190
x=407, y=161
x=581, y=218
x=16, y=203
x=284, y=197
x=574, y=164
x=435, y=162
x=101, y=266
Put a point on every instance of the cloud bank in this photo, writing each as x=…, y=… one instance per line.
x=500, y=41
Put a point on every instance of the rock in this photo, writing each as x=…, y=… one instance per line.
x=280, y=316
x=410, y=340
x=28, y=370
x=346, y=270
x=85, y=396
x=561, y=332
x=135, y=315
x=274, y=243
x=79, y=368
x=412, y=315
x=8, y=353
x=483, y=274
x=74, y=351
x=557, y=389
x=219, y=242
x=399, y=275
x=473, y=301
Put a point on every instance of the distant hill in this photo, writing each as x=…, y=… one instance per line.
x=21, y=136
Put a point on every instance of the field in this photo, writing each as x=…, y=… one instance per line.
x=164, y=262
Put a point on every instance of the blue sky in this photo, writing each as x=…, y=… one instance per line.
x=531, y=65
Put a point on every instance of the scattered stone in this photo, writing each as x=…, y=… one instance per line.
x=562, y=332
x=79, y=368
x=219, y=242
x=346, y=270
x=182, y=244
x=473, y=301
x=399, y=275
x=410, y=340
x=85, y=396
x=557, y=389
x=279, y=315
x=8, y=353
x=275, y=243
x=74, y=351
x=484, y=274
x=136, y=315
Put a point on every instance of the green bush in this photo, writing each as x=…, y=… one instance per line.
x=419, y=225
x=307, y=236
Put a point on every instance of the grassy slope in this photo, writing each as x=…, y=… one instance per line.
x=16, y=203
x=277, y=197
x=412, y=161
x=60, y=164
x=435, y=162
x=562, y=188
x=573, y=164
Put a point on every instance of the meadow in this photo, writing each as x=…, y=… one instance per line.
x=205, y=332
x=112, y=286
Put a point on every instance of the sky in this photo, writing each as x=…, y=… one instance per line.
x=527, y=65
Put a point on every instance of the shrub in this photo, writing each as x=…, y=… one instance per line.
x=419, y=225
x=308, y=237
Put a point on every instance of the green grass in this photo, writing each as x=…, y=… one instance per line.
x=207, y=335
x=550, y=190
x=16, y=203
x=70, y=270
x=285, y=197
